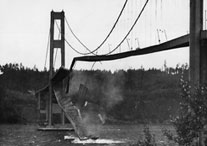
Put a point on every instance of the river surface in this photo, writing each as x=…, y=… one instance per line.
x=110, y=135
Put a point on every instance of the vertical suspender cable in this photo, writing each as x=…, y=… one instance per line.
x=130, y=28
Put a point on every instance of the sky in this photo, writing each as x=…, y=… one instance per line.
x=24, y=30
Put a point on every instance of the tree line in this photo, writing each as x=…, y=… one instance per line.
x=137, y=95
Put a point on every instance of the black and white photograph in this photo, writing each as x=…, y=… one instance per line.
x=103, y=72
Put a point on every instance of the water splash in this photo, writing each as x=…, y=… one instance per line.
x=91, y=141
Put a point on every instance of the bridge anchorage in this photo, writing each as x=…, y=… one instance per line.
x=57, y=89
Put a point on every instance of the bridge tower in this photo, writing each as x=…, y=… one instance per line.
x=58, y=43
x=198, y=46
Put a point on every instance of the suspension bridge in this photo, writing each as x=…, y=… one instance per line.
x=196, y=40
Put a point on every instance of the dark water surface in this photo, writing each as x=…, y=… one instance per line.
x=27, y=135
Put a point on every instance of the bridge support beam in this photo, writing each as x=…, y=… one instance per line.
x=196, y=49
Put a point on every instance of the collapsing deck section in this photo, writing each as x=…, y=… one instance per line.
x=75, y=107
x=72, y=112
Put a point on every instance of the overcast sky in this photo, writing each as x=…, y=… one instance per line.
x=25, y=25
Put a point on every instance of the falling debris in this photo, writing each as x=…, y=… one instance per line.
x=81, y=112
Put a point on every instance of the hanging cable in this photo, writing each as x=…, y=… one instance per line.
x=112, y=27
x=92, y=52
x=73, y=48
x=156, y=20
x=69, y=43
x=145, y=29
x=161, y=11
x=48, y=43
x=131, y=15
x=129, y=29
x=150, y=26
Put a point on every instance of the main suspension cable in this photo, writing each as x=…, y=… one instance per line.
x=68, y=42
x=47, y=49
x=129, y=29
x=90, y=52
x=110, y=32
x=112, y=27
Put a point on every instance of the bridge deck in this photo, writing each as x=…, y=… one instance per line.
x=176, y=43
x=182, y=41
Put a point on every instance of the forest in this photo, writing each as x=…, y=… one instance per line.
x=133, y=95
